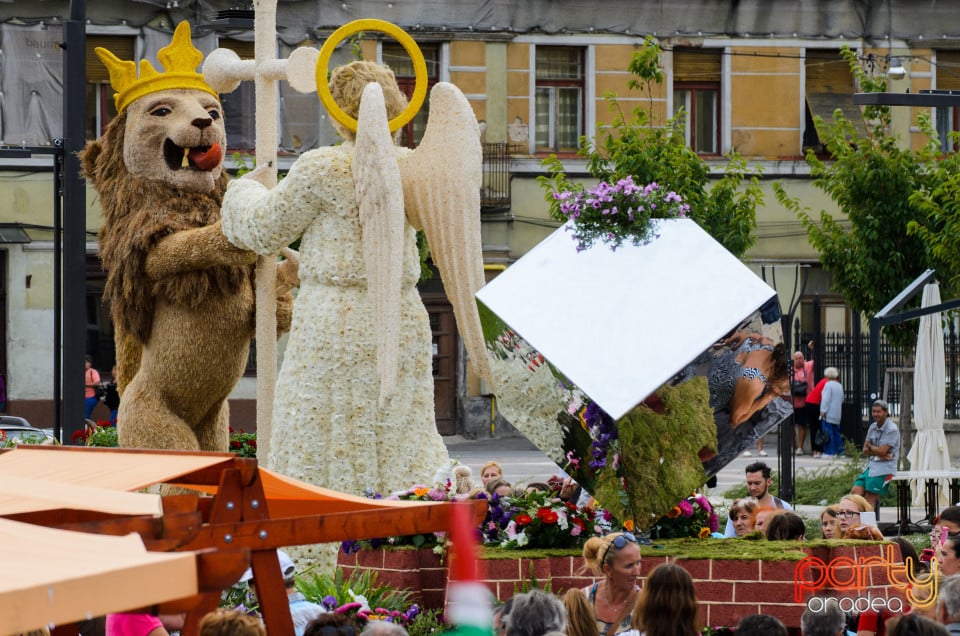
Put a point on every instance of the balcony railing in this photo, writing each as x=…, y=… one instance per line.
x=495, y=191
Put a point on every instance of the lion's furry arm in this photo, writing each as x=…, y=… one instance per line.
x=194, y=249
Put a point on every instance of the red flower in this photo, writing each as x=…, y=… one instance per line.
x=572, y=507
x=252, y=442
x=235, y=444
x=547, y=516
x=523, y=520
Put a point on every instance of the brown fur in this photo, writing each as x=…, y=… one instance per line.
x=181, y=297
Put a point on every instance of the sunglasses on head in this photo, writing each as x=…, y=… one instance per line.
x=618, y=542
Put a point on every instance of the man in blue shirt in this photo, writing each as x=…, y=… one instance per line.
x=882, y=446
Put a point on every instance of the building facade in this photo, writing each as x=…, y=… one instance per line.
x=750, y=76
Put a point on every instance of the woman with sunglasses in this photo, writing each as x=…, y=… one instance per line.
x=615, y=557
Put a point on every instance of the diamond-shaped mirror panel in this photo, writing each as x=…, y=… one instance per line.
x=640, y=372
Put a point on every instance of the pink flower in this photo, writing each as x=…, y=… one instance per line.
x=686, y=509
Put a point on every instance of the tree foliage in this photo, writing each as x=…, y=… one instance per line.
x=635, y=145
x=871, y=179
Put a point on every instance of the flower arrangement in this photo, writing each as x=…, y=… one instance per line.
x=360, y=596
x=614, y=212
x=541, y=520
x=243, y=444
x=692, y=517
x=439, y=492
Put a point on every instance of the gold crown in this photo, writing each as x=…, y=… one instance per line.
x=180, y=60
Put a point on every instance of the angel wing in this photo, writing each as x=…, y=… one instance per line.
x=376, y=178
x=441, y=191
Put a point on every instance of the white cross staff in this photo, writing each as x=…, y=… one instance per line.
x=223, y=71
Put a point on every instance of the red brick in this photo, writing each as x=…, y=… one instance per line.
x=535, y=568
x=370, y=558
x=788, y=614
x=428, y=559
x=847, y=551
x=729, y=614
x=564, y=566
x=778, y=570
x=648, y=563
x=401, y=559
x=763, y=592
x=702, y=614
x=699, y=569
x=346, y=559
x=400, y=579
x=503, y=589
x=820, y=552
x=843, y=578
x=433, y=578
x=714, y=591
x=433, y=599
x=562, y=584
x=736, y=571
x=502, y=569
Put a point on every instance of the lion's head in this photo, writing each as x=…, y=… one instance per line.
x=182, y=127
x=158, y=169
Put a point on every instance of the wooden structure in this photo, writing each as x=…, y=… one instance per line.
x=242, y=510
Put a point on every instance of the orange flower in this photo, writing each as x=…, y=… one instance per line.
x=704, y=533
x=421, y=492
x=628, y=525
x=674, y=512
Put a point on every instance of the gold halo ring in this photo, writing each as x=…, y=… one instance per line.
x=398, y=34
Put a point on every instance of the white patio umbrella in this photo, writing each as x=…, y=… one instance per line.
x=929, y=450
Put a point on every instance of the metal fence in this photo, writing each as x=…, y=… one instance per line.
x=850, y=354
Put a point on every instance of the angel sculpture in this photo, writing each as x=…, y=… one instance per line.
x=354, y=399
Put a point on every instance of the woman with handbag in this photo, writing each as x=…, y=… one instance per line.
x=801, y=383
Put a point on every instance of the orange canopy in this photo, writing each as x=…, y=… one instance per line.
x=53, y=577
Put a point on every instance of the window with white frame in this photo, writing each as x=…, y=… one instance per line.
x=696, y=94
x=559, y=98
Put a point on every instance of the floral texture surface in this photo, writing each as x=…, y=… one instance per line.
x=328, y=428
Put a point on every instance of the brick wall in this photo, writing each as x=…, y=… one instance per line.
x=727, y=590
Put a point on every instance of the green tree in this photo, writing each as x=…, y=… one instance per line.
x=939, y=228
x=650, y=151
x=871, y=179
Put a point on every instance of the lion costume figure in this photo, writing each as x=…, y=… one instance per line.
x=181, y=296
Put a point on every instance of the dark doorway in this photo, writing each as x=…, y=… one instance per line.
x=444, y=329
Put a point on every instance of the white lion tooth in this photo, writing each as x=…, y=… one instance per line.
x=186, y=161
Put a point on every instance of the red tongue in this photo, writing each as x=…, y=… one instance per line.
x=206, y=160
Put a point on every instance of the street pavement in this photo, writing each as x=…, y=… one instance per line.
x=523, y=462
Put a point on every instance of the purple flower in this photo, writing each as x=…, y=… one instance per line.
x=329, y=602
x=686, y=509
x=713, y=521
x=349, y=547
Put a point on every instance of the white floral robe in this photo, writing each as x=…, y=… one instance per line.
x=327, y=427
